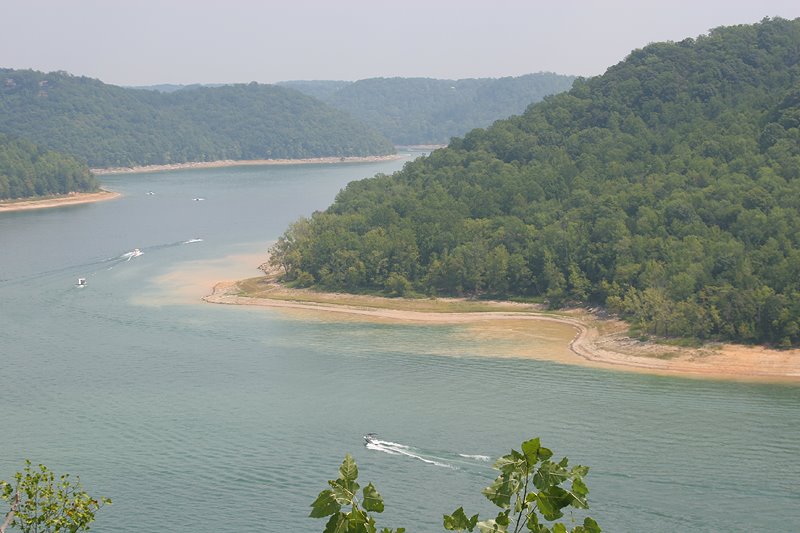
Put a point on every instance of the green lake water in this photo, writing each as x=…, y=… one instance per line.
x=196, y=417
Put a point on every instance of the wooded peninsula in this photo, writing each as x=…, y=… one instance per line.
x=666, y=189
x=28, y=170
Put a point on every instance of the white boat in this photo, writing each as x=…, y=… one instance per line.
x=81, y=282
x=370, y=438
x=135, y=253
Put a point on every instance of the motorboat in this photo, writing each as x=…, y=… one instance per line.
x=370, y=438
x=135, y=253
x=81, y=282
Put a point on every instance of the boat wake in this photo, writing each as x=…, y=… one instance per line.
x=484, y=458
x=454, y=461
x=91, y=268
x=130, y=255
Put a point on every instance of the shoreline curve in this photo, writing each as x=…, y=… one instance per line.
x=598, y=342
x=224, y=163
x=27, y=204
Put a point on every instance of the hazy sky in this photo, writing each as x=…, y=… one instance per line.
x=141, y=42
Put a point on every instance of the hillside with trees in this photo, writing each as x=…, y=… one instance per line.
x=667, y=189
x=27, y=170
x=106, y=125
x=431, y=111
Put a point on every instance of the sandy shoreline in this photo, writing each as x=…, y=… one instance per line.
x=597, y=341
x=58, y=201
x=246, y=162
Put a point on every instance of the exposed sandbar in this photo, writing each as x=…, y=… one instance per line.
x=57, y=201
x=596, y=341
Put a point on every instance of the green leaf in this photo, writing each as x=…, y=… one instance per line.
x=349, y=469
x=511, y=463
x=344, y=490
x=578, y=493
x=580, y=471
x=559, y=528
x=549, y=506
x=531, y=450
x=549, y=474
x=533, y=522
x=545, y=454
x=324, y=505
x=360, y=522
x=337, y=524
x=458, y=521
x=500, y=492
x=591, y=526
x=372, y=499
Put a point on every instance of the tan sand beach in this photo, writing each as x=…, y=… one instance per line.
x=589, y=339
x=58, y=201
x=246, y=162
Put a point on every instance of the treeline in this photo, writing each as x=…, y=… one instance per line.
x=667, y=189
x=106, y=125
x=431, y=111
x=27, y=170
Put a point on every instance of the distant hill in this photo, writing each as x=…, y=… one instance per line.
x=28, y=170
x=321, y=89
x=431, y=111
x=107, y=125
x=667, y=189
x=172, y=87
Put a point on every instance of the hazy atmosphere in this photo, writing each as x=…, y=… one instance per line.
x=353, y=265
x=204, y=41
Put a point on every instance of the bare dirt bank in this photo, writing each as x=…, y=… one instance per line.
x=58, y=201
x=247, y=162
x=597, y=341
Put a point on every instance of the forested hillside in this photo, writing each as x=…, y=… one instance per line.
x=28, y=170
x=107, y=125
x=667, y=189
x=430, y=111
x=321, y=89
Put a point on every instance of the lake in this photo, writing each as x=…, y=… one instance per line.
x=198, y=417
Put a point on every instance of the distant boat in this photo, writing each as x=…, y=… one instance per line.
x=198, y=199
x=150, y=193
x=135, y=253
x=370, y=438
x=81, y=282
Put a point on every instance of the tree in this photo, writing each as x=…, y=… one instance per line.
x=530, y=490
x=344, y=493
x=530, y=485
x=41, y=504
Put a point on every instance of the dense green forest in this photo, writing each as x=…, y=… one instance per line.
x=28, y=170
x=320, y=89
x=430, y=111
x=107, y=125
x=667, y=189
